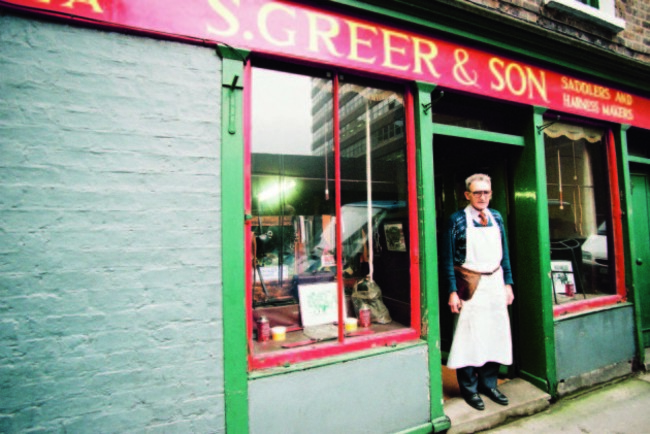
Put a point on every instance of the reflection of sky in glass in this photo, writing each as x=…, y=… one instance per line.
x=281, y=113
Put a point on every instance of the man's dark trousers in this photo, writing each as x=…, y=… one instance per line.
x=471, y=378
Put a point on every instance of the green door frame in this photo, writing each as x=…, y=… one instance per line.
x=428, y=250
x=233, y=254
x=530, y=216
x=631, y=272
x=530, y=240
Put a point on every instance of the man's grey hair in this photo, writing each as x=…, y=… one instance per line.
x=477, y=177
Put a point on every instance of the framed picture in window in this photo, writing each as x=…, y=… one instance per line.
x=394, y=233
x=563, y=277
x=318, y=303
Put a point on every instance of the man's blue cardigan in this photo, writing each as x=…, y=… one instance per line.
x=454, y=248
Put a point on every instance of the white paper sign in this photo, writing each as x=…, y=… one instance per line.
x=318, y=303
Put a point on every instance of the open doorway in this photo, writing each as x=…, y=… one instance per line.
x=455, y=159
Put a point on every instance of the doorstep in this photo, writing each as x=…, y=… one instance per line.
x=525, y=399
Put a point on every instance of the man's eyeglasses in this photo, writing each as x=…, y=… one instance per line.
x=480, y=193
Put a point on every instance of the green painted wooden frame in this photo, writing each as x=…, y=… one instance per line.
x=428, y=255
x=534, y=307
x=485, y=136
x=534, y=304
x=640, y=160
x=235, y=352
x=631, y=273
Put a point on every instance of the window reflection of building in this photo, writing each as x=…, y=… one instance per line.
x=384, y=109
x=293, y=195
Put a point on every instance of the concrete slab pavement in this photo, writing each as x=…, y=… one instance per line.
x=622, y=407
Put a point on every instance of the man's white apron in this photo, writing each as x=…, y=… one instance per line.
x=482, y=332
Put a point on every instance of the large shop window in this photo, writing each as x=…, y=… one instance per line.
x=332, y=222
x=580, y=215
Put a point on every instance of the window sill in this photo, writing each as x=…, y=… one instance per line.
x=588, y=13
x=347, y=357
x=586, y=305
x=321, y=353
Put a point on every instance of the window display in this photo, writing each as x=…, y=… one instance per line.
x=579, y=209
x=330, y=219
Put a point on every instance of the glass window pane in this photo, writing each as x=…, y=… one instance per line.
x=374, y=194
x=293, y=203
x=292, y=193
x=579, y=209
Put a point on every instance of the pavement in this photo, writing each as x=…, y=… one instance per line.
x=622, y=407
x=618, y=407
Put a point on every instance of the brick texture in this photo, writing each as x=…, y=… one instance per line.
x=633, y=42
x=110, y=279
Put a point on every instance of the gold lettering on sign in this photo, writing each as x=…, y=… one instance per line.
x=325, y=35
x=355, y=41
x=580, y=95
x=517, y=79
x=538, y=83
x=584, y=88
x=92, y=3
x=500, y=83
x=227, y=15
x=522, y=79
x=420, y=56
x=580, y=103
x=389, y=49
x=460, y=73
x=618, y=112
x=263, y=20
x=624, y=98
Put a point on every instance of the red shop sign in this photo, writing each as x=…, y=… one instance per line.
x=293, y=30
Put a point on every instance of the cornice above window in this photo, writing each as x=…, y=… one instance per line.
x=604, y=15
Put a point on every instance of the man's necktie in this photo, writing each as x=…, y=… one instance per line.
x=483, y=218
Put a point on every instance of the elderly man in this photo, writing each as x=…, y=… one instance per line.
x=475, y=243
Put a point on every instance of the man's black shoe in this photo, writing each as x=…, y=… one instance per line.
x=495, y=395
x=474, y=401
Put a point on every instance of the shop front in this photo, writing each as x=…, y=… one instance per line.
x=345, y=142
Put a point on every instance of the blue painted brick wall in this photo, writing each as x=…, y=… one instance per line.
x=110, y=279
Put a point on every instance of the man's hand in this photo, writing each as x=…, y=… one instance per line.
x=455, y=303
x=510, y=296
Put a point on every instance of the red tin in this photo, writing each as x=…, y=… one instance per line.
x=263, y=329
x=364, y=316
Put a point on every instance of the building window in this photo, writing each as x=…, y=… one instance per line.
x=580, y=214
x=600, y=12
x=331, y=219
